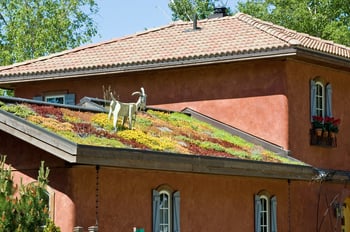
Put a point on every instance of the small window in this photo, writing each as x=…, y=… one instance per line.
x=265, y=213
x=166, y=210
x=59, y=99
x=320, y=99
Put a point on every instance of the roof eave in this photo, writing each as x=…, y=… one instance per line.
x=161, y=161
x=319, y=56
x=147, y=66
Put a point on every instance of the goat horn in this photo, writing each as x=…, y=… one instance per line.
x=112, y=96
x=137, y=92
x=142, y=91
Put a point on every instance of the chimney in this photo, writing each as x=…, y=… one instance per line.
x=219, y=12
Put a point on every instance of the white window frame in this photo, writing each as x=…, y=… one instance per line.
x=265, y=214
x=320, y=99
x=165, y=211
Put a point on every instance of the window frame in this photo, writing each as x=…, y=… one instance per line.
x=168, y=222
x=264, y=213
x=320, y=99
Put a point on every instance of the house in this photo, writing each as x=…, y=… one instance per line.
x=265, y=80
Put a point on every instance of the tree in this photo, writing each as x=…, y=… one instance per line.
x=29, y=211
x=186, y=9
x=327, y=19
x=33, y=28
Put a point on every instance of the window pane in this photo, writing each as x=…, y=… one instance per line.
x=264, y=214
x=320, y=103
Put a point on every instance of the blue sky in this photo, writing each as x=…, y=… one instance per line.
x=117, y=18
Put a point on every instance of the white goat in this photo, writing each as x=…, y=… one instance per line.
x=126, y=110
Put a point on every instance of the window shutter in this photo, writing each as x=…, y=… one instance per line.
x=176, y=211
x=274, y=214
x=69, y=99
x=257, y=213
x=38, y=98
x=155, y=209
x=312, y=98
x=329, y=100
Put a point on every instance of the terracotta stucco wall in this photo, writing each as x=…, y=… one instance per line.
x=248, y=95
x=208, y=203
x=299, y=76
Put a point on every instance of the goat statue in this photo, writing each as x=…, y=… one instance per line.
x=126, y=110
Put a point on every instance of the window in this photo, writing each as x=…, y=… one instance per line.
x=320, y=98
x=166, y=210
x=265, y=213
x=68, y=99
x=59, y=99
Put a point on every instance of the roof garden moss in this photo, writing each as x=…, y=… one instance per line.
x=154, y=130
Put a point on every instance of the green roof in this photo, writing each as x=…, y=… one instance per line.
x=154, y=130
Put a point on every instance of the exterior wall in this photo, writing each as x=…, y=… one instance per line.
x=208, y=202
x=299, y=76
x=248, y=95
x=25, y=160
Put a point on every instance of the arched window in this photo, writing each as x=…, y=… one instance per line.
x=320, y=98
x=265, y=212
x=166, y=209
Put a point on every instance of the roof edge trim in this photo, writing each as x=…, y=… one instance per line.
x=167, y=64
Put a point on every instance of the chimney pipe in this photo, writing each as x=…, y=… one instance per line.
x=195, y=22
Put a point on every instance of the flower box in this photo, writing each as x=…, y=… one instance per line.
x=324, y=139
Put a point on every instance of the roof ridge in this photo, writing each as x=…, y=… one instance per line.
x=276, y=31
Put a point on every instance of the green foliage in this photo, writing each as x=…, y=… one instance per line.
x=186, y=9
x=326, y=19
x=6, y=92
x=27, y=211
x=30, y=29
x=18, y=110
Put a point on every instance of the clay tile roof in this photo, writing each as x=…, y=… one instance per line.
x=176, y=42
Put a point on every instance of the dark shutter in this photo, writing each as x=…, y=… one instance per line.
x=176, y=211
x=155, y=210
x=69, y=99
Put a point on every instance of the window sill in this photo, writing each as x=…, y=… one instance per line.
x=323, y=140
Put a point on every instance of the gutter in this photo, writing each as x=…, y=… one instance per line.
x=148, y=65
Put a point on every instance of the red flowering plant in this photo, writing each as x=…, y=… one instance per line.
x=334, y=125
x=317, y=122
